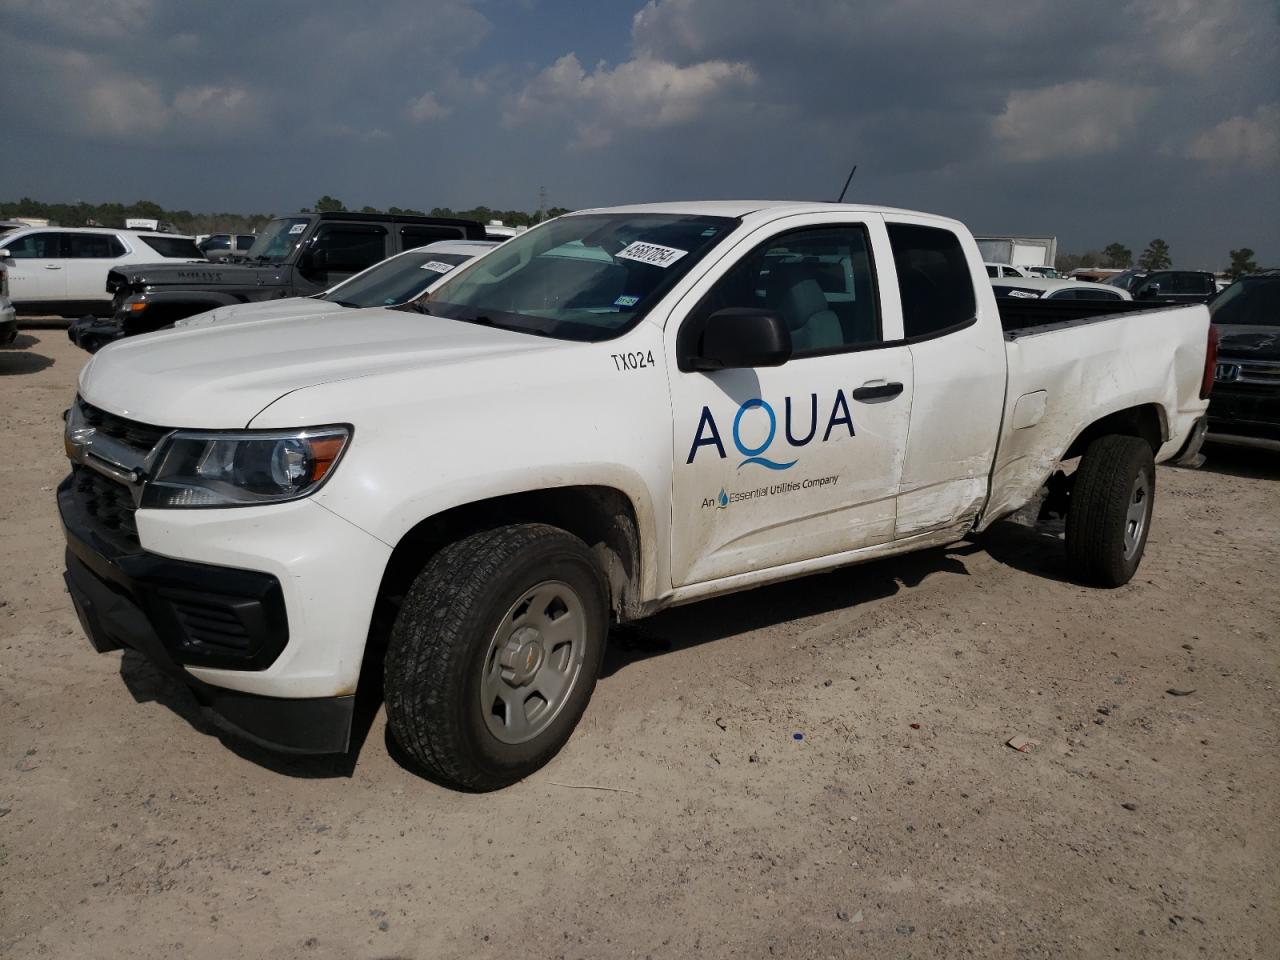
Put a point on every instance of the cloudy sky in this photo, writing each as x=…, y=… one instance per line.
x=1095, y=121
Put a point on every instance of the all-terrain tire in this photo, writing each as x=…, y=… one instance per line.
x=442, y=650
x=1110, y=510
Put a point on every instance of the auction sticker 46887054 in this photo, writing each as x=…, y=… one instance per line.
x=653, y=254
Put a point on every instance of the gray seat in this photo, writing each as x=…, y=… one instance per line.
x=814, y=326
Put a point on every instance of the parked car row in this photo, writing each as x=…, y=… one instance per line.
x=61, y=270
x=393, y=282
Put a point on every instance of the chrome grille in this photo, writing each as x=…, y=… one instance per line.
x=1266, y=372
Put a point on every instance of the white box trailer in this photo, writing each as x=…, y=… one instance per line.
x=1019, y=251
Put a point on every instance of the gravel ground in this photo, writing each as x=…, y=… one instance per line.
x=686, y=816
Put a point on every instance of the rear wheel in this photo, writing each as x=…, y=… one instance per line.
x=494, y=654
x=1110, y=509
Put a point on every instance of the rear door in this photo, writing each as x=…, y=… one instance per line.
x=958, y=361
x=37, y=268
x=776, y=465
x=89, y=257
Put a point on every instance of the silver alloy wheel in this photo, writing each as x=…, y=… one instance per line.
x=1135, y=517
x=533, y=662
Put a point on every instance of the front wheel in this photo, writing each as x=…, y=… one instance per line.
x=495, y=653
x=1109, y=515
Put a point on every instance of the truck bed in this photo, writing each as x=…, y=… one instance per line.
x=1021, y=317
x=1073, y=362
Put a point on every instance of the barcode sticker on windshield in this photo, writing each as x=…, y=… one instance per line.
x=1024, y=294
x=650, y=253
x=438, y=266
x=297, y=228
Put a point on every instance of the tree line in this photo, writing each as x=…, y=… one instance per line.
x=1116, y=256
x=81, y=214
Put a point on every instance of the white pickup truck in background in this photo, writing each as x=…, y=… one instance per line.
x=617, y=411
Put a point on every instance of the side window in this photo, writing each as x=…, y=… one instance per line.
x=818, y=280
x=933, y=278
x=419, y=235
x=992, y=271
x=36, y=246
x=93, y=246
x=349, y=248
x=244, y=241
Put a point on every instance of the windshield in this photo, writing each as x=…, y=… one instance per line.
x=1126, y=280
x=394, y=281
x=1251, y=302
x=586, y=277
x=278, y=239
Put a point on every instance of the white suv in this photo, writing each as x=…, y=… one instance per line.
x=63, y=270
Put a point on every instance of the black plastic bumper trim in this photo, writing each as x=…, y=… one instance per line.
x=112, y=620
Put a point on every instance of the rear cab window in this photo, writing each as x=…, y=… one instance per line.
x=173, y=248
x=933, y=280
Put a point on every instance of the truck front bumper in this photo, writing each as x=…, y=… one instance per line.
x=273, y=652
x=91, y=334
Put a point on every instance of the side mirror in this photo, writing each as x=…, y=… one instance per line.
x=1150, y=292
x=312, y=261
x=5, y=254
x=740, y=337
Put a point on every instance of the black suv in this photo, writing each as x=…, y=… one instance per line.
x=1245, y=404
x=294, y=256
x=1167, y=286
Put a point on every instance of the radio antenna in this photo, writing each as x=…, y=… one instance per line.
x=840, y=199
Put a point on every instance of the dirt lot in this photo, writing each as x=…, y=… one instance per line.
x=686, y=817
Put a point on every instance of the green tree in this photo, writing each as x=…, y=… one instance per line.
x=328, y=204
x=1118, y=256
x=368, y=209
x=1156, y=256
x=1242, y=263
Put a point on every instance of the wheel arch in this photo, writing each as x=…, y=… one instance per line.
x=1147, y=421
x=603, y=517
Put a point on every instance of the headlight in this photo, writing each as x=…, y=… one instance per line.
x=243, y=468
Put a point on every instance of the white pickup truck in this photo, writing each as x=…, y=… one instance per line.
x=617, y=411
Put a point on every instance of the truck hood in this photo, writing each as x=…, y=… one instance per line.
x=195, y=273
x=262, y=310
x=1252, y=342
x=222, y=376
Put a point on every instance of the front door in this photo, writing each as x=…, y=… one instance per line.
x=338, y=252
x=37, y=268
x=784, y=464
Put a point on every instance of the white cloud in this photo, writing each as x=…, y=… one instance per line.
x=1076, y=119
x=1252, y=141
x=426, y=108
x=640, y=94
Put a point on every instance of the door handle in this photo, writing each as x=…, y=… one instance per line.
x=877, y=390
x=52, y=266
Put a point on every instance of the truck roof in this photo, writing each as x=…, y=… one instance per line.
x=741, y=208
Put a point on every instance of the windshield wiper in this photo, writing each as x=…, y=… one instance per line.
x=346, y=303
